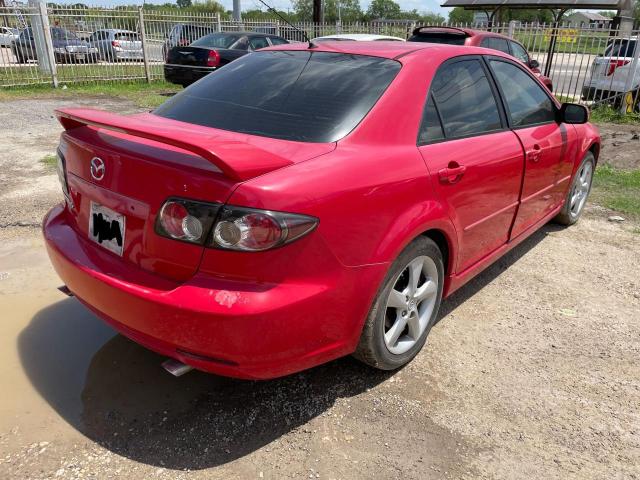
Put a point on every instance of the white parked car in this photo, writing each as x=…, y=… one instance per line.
x=8, y=35
x=358, y=37
x=609, y=73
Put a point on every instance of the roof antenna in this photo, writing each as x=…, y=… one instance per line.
x=304, y=34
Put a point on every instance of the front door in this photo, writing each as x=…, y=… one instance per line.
x=532, y=117
x=475, y=161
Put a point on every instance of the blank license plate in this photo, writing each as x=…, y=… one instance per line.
x=107, y=228
x=80, y=56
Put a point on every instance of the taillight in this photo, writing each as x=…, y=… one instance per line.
x=229, y=227
x=213, y=60
x=115, y=43
x=253, y=230
x=613, y=64
x=186, y=220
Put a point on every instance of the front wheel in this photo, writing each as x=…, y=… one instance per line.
x=405, y=308
x=578, y=192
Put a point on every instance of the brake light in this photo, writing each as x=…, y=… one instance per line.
x=186, y=220
x=229, y=227
x=213, y=60
x=613, y=64
x=115, y=43
x=252, y=230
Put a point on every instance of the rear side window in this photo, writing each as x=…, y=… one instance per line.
x=439, y=37
x=527, y=102
x=258, y=42
x=465, y=101
x=292, y=95
x=220, y=40
x=431, y=129
x=495, y=43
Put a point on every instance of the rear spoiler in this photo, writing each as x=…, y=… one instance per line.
x=236, y=160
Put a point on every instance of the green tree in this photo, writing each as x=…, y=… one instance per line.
x=460, y=15
x=183, y=3
x=387, y=9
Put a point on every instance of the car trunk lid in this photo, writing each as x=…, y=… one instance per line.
x=128, y=41
x=188, y=56
x=147, y=159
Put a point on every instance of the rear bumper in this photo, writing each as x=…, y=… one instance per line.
x=231, y=328
x=183, y=75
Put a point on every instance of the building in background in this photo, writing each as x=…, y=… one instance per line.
x=588, y=20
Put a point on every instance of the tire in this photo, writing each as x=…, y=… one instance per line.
x=377, y=347
x=580, y=184
x=19, y=56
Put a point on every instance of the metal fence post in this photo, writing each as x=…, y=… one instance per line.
x=629, y=83
x=512, y=28
x=143, y=37
x=219, y=22
x=43, y=42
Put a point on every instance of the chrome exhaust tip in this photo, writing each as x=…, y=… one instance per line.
x=64, y=289
x=175, y=367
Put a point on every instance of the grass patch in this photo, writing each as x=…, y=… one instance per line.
x=617, y=190
x=608, y=114
x=143, y=94
x=49, y=161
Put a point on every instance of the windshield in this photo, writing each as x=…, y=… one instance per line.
x=620, y=48
x=220, y=40
x=439, y=37
x=292, y=95
x=62, y=34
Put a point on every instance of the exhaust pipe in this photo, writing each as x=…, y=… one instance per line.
x=64, y=289
x=175, y=367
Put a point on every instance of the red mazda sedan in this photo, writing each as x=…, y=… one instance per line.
x=309, y=202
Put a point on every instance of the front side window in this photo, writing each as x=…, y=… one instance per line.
x=464, y=98
x=291, y=95
x=519, y=52
x=527, y=102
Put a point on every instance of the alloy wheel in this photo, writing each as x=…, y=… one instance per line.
x=580, y=190
x=410, y=304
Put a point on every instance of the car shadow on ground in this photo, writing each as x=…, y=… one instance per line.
x=114, y=391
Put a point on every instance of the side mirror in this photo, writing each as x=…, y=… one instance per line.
x=534, y=63
x=574, y=113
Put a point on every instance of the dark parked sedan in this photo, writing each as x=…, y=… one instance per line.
x=185, y=65
x=67, y=48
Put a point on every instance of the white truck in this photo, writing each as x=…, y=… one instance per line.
x=616, y=75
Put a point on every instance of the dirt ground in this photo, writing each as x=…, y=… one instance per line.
x=532, y=371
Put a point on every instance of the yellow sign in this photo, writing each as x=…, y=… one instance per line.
x=564, y=35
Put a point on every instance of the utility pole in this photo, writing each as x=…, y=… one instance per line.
x=236, y=11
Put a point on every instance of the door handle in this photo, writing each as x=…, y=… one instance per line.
x=452, y=174
x=535, y=154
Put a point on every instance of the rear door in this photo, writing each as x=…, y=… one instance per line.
x=475, y=161
x=532, y=117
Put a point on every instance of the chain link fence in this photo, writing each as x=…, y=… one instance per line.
x=111, y=44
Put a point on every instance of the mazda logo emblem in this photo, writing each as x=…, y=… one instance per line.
x=97, y=168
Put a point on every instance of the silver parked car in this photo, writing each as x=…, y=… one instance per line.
x=114, y=44
x=8, y=35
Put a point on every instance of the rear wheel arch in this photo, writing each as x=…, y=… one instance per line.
x=444, y=244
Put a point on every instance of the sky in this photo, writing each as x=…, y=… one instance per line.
x=420, y=5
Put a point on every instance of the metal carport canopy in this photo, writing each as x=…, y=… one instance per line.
x=561, y=4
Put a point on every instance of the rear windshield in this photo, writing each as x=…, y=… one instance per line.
x=620, y=48
x=292, y=95
x=439, y=37
x=221, y=40
x=126, y=37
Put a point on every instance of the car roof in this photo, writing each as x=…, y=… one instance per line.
x=115, y=30
x=248, y=34
x=391, y=49
x=358, y=36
